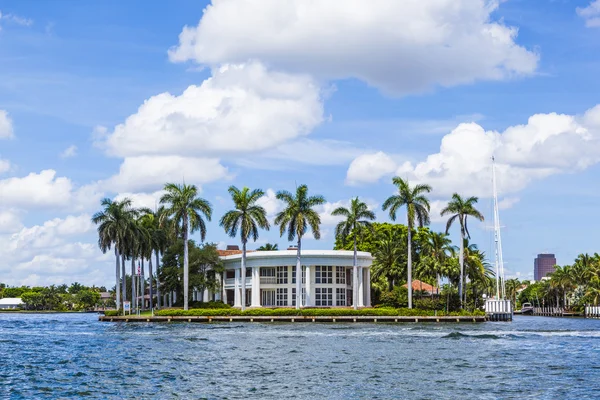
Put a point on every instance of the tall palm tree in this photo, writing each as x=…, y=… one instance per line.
x=114, y=224
x=150, y=221
x=460, y=209
x=268, y=247
x=296, y=218
x=357, y=217
x=417, y=207
x=246, y=218
x=186, y=210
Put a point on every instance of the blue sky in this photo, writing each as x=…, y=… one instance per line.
x=114, y=98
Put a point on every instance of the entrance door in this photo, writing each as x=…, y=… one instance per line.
x=268, y=297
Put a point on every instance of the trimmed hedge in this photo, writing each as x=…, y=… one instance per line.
x=312, y=312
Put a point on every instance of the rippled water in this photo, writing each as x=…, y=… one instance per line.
x=74, y=355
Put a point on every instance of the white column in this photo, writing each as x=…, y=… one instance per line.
x=308, y=286
x=255, y=287
x=361, y=288
x=237, y=300
x=204, y=295
x=368, y=286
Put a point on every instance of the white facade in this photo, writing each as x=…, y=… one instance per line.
x=271, y=278
x=11, y=303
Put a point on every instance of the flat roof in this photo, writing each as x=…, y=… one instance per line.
x=293, y=253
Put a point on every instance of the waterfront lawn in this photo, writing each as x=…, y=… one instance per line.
x=311, y=312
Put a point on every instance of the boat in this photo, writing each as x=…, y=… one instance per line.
x=526, y=308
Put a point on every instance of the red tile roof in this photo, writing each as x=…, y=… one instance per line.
x=418, y=285
x=223, y=253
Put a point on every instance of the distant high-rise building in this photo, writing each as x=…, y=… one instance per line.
x=543, y=265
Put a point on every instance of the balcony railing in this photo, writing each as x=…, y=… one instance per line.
x=230, y=281
x=268, y=280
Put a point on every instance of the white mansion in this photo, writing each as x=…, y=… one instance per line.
x=271, y=278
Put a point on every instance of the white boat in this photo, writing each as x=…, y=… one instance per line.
x=526, y=308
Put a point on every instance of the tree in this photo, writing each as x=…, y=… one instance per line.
x=268, y=247
x=114, y=224
x=417, y=207
x=186, y=209
x=387, y=263
x=247, y=218
x=87, y=298
x=356, y=218
x=297, y=216
x=435, y=255
x=460, y=209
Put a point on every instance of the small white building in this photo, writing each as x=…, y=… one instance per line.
x=271, y=278
x=11, y=303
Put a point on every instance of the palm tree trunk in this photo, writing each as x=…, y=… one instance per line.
x=409, y=265
x=299, y=276
x=117, y=276
x=150, y=279
x=133, y=294
x=355, y=276
x=124, y=280
x=157, y=281
x=243, y=273
x=462, y=263
x=186, y=262
x=142, y=286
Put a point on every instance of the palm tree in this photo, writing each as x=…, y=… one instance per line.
x=114, y=224
x=460, y=209
x=156, y=239
x=387, y=260
x=296, y=218
x=186, y=209
x=436, y=251
x=417, y=207
x=247, y=217
x=268, y=247
x=356, y=218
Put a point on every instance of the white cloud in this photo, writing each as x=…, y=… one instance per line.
x=6, y=126
x=271, y=205
x=142, y=200
x=53, y=253
x=15, y=19
x=326, y=209
x=369, y=168
x=69, y=152
x=46, y=190
x=507, y=202
x=4, y=166
x=399, y=46
x=152, y=172
x=240, y=109
x=9, y=221
x=548, y=144
x=36, y=190
x=591, y=14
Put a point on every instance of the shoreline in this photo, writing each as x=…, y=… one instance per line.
x=296, y=318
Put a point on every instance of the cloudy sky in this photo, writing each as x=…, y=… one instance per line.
x=113, y=99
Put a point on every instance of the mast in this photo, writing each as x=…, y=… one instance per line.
x=499, y=261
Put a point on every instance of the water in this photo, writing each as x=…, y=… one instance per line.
x=74, y=355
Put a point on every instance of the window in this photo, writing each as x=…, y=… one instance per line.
x=303, y=274
x=323, y=296
x=268, y=298
x=323, y=274
x=294, y=296
x=282, y=275
x=230, y=274
x=340, y=275
x=282, y=297
x=267, y=272
x=340, y=296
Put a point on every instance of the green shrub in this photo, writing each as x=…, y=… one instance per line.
x=396, y=298
x=113, y=313
x=210, y=304
x=429, y=304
